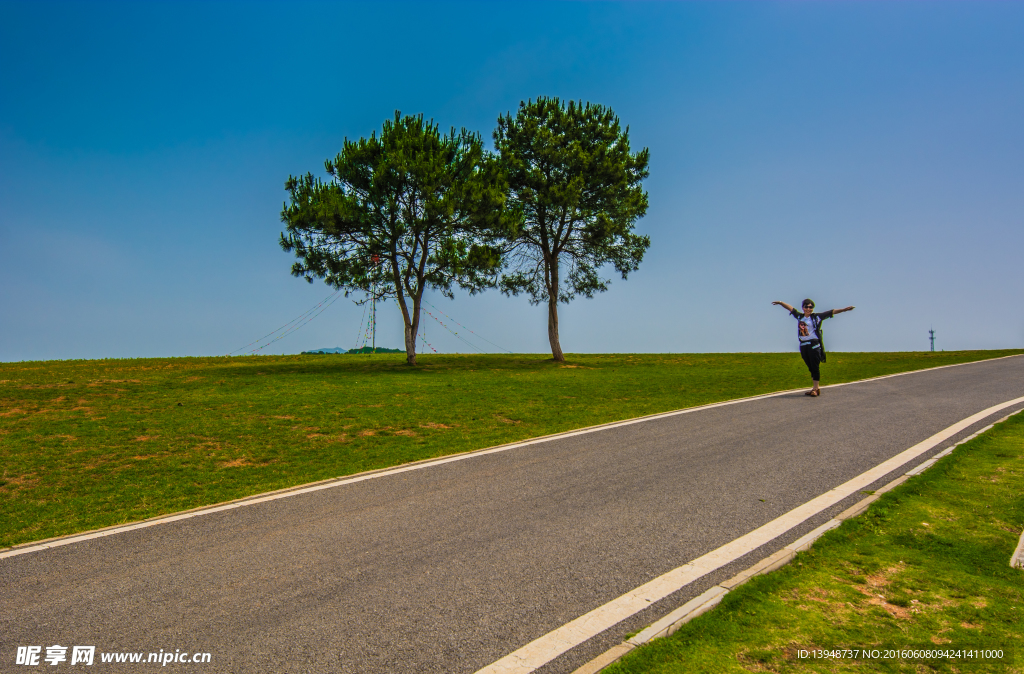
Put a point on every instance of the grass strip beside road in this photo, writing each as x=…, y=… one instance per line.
x=925, y=568
x=88, y=444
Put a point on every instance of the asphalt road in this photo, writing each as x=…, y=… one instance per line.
x=450, y=567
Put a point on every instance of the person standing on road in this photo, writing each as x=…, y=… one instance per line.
x=812, y=348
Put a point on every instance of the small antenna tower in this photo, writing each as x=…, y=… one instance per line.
x=375, y=259
x=931, y=336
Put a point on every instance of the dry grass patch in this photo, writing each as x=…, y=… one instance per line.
x=19, y=482
x=235, y=463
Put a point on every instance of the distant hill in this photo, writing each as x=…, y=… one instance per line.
x=365, y=349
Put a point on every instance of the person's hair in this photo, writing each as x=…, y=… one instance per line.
x=806, y=302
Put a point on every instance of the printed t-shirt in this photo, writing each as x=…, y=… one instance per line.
x=805, y=325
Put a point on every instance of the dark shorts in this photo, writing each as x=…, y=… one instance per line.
x=811, y=353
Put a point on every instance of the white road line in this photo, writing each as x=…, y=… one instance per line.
x=1017, y=559
x=419, y=465
x=927, y=369
x=340, y=482
x=548, y=647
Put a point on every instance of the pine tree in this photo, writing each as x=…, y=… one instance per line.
x=576, y=187
x=410, y=210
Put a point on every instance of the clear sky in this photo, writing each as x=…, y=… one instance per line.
x=852, y=152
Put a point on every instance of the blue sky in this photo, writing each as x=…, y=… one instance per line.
x=854, y=152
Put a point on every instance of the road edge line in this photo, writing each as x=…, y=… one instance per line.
x=329, y=483
x=671, y=623
x=544, y=649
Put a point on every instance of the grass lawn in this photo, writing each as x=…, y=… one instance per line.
x=87, y=444
x=926, y=567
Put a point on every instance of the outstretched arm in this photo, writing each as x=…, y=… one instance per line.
x=839, y=311
x=787, y=307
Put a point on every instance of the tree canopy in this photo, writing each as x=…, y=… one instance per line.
x=409, y=210
x=576, y=187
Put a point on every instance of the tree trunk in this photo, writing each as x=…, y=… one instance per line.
x=411, y=320
x=410, y=345
x=412, y=328
x=556, y=348
x=551, y=277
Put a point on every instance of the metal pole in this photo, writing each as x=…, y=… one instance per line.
x=931, y=336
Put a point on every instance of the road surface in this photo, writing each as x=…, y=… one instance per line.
x=449, y=567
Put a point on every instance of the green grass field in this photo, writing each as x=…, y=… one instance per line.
x=87, y=444
x=926, y=568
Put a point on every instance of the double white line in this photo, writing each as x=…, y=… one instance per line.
x=548, y=647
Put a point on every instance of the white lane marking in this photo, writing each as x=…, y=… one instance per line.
x=429, y=463
x=927, y=369
x=548, y=647
x=419, y=465
x=1017, y=559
